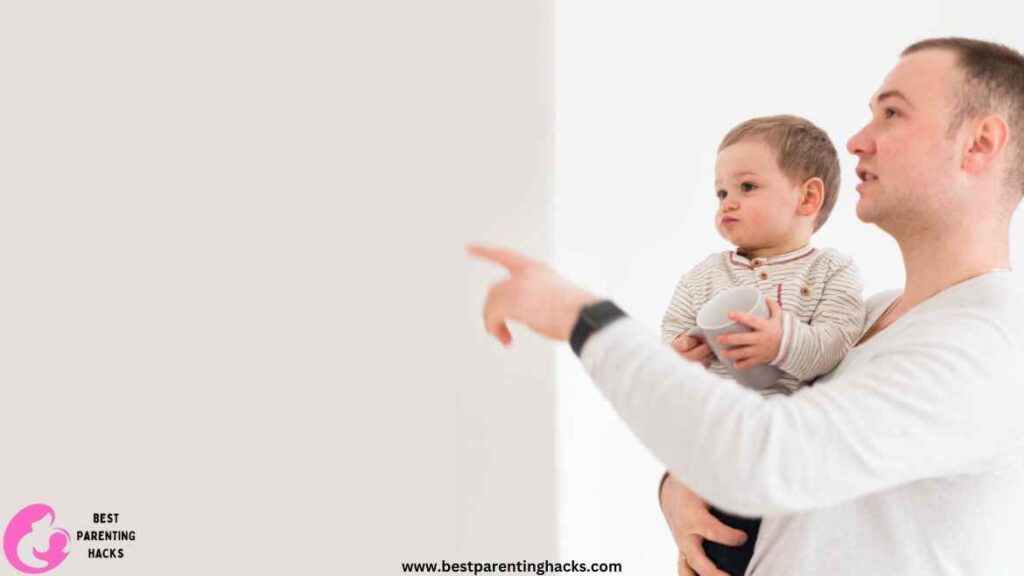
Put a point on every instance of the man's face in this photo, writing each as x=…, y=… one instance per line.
x=908, y=160
x=757, y=202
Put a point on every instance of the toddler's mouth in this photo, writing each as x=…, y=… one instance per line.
x=729, y=220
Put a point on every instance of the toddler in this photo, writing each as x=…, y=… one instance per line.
x=776, y=179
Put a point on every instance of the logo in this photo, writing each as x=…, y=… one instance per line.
x=32, y=543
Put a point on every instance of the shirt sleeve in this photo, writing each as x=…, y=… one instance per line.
x=681, y=315
x=942, y=398
x=809, y=350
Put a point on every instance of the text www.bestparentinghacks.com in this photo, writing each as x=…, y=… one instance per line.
x=538, y=568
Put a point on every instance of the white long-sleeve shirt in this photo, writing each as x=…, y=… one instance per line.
x=907, y=459
x=819, y=291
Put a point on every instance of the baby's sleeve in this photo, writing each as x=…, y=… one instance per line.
x=681, y=314
x=810, y=350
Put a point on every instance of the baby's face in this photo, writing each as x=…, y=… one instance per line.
x=757, y=206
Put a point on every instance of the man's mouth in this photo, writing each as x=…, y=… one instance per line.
x=866, y=176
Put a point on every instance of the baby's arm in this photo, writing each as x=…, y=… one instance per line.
x=810, y=350
x=681, y=314
x=680, y=317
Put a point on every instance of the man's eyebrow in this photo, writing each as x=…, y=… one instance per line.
x=892, y=94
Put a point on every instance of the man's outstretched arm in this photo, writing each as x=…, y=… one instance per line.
x=932, y=403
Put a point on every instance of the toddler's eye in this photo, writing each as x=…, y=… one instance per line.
x=721, y=194
x=891, y=113
x=748, y=186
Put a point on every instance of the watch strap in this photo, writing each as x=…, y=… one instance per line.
x=591, y=319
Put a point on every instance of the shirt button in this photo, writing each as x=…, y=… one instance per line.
x=756, y=263
x=763, y=276
x=805, y=291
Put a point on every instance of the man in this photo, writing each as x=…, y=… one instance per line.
x=909, y=457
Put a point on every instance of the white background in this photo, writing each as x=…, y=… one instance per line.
x=644, y=93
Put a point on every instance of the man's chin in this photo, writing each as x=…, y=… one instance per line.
x=865, y=213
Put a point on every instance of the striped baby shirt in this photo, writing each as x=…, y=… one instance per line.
x=819, y=291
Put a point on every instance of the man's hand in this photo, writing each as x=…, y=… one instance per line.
x=691, y=523
x=761, y=344
x=693, y=349
x=532, y=294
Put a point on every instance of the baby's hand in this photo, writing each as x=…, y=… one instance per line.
x=692, y=349
x=761, y=344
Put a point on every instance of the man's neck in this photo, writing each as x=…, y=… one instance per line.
x=947, y=255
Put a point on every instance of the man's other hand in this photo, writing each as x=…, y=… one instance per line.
x=691, y=523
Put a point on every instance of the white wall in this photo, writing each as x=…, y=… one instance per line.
x=645, y=91
x=235, y=307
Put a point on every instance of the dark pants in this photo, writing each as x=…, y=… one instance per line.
x=733, y=559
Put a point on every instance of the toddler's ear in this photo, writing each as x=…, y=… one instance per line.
x=812, y=196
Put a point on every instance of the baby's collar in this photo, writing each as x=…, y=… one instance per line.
x=740, y=258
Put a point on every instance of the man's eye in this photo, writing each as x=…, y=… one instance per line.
x=748, y=186
x=721, y=194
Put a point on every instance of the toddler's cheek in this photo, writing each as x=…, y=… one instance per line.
x=753, y=220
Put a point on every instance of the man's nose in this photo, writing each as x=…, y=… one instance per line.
x=861, y=143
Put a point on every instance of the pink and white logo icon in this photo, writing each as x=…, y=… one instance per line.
x=32, y=543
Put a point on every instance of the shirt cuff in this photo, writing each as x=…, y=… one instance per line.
x=625, y=329
x=787, y=341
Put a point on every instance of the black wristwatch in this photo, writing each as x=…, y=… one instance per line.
x=591, y=319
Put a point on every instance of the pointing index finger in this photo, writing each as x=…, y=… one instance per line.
x=509, y=259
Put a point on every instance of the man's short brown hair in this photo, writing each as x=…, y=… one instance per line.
x=802, y=150
x=994, y=83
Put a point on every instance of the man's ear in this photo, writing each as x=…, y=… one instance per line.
x=987, y=141
x=812, y=197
